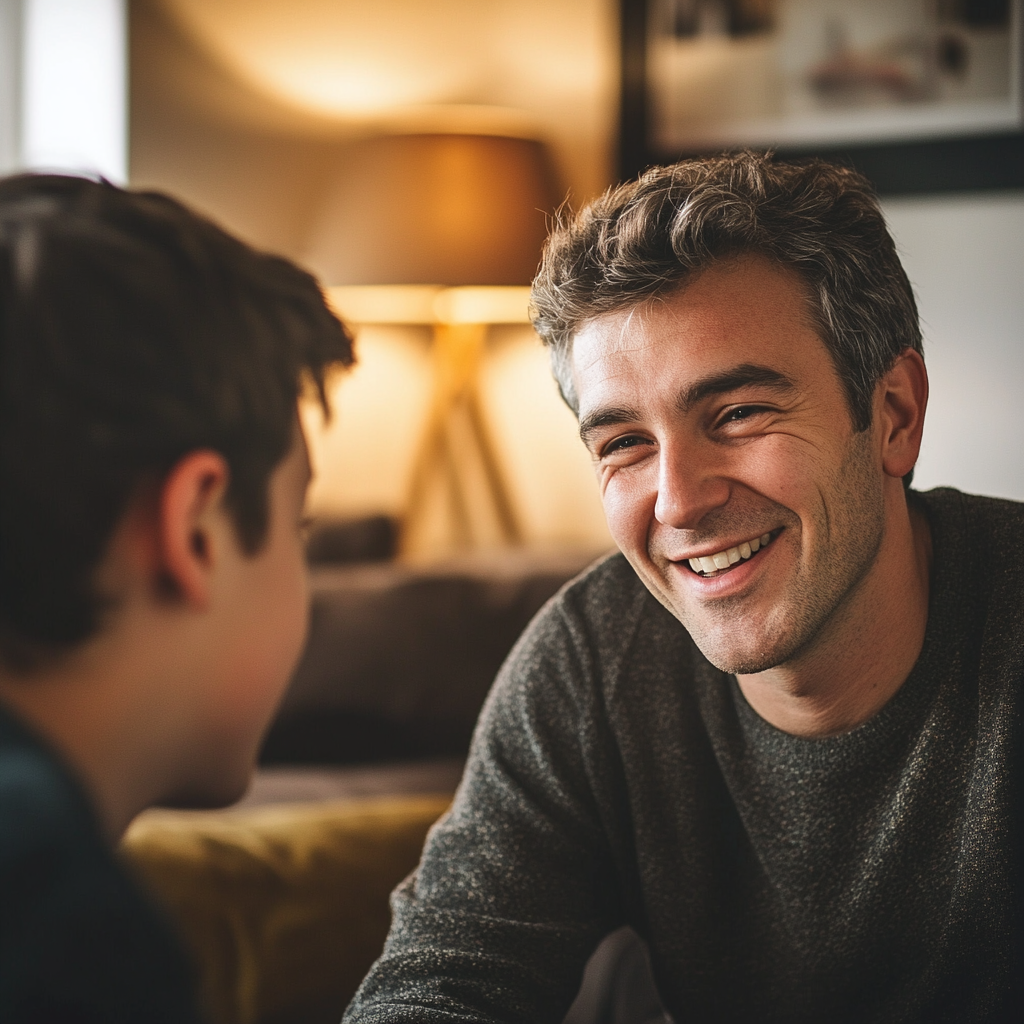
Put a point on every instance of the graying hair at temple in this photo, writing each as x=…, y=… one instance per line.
x=645, y=238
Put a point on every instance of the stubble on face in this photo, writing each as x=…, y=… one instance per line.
x=836, y=550
x=714, y=418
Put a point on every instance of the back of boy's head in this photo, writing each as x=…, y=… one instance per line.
x=131, y=333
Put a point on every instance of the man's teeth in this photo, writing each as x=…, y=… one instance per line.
x=723, y=559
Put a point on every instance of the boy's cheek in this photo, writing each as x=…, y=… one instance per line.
x=256, y=665
x=255, y=677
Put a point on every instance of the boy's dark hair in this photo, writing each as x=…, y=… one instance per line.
x=645, y=238
x=131, y=332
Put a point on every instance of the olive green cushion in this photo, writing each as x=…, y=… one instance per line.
x=284, y=907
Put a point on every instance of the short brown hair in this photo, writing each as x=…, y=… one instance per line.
x=644, y=239
x=132, y=331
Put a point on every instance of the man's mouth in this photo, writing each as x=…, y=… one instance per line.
x=721, y=562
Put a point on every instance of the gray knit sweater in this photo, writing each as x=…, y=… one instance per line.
x=617, y=777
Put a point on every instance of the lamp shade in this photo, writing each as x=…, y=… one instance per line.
x=443, y=209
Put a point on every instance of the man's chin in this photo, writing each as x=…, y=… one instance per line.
x=744, y=655
x=746, y=665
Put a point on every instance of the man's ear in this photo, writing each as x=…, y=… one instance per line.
x=902, y=396
x=191, y=524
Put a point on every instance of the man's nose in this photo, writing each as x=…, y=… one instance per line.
x=690, y=485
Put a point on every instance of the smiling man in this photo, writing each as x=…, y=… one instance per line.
x=773, y=529
x=779, y=735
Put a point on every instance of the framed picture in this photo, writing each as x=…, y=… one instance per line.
x=922, y=95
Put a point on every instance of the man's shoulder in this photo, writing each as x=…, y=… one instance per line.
x=602, y=606
x=977, y=588
x=951, y=503
x=599, y=628
x=978, y=528
x=603, y=586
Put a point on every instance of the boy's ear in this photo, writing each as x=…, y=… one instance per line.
x=903, y=394
x=191, y=521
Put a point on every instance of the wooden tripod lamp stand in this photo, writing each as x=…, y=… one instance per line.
x=445, y=230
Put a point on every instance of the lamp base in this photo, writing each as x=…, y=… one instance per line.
x=457, y=465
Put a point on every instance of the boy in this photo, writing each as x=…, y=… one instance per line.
x=152, y=583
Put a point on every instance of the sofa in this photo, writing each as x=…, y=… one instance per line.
x=284, y=906
x=400, y=657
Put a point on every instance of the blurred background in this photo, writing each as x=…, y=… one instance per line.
x=274, y=117
x=410, y=153
x=295, y=123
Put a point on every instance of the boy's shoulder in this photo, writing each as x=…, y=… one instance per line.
x=44, y=817
x=76, y=935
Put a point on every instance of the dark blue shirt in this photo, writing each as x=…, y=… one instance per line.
x=79, y=943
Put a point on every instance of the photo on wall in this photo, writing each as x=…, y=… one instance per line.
x=798, y=73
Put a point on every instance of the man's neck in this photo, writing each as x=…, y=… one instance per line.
x=851, y=674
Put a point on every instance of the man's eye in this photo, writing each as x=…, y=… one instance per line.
x=622, y=443
x=741, y=412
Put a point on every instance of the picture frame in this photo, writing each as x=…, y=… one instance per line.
x=912, y=116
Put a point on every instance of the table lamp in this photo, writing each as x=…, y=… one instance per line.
x=445, y=230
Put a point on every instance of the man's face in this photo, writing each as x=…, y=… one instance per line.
x=720, y=432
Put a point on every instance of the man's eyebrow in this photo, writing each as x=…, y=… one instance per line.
x=608, y=417
x=740, y=376
x=744, y=375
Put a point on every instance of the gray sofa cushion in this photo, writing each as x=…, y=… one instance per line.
x=400, y=658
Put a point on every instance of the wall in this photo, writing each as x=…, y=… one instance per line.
x=204, y=128
x=219, y=118
x=240, y=106
x=63, y=103
x=199, y=134
x=965, y=257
